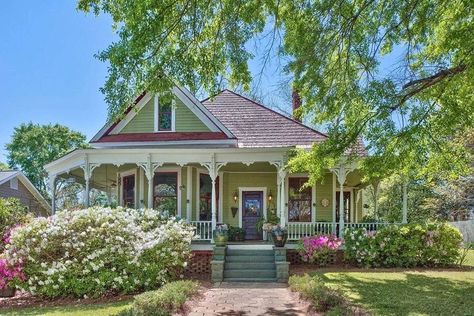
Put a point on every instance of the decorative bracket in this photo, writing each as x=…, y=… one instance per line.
x=213, y=167
x=341, y=172
x=150, y=167
x=88, y=168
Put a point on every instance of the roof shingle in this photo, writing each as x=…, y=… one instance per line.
x=255, y=125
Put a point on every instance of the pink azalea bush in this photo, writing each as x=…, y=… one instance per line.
x=9, y=273
x=318, y=249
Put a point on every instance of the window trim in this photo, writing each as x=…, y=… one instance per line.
x=130, y=172
x=179, y=191
x=287, y=198
x=156, y=113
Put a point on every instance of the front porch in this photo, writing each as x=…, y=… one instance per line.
x=233, y=186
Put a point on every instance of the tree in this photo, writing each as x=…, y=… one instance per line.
x=397, y=73
x=3, y=166
x=32, y=146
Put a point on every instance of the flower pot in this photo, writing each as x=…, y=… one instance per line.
x=7, y=292
x=279, y=238
x=220, y=238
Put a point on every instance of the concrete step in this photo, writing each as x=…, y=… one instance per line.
x=250, y=258
x=263, y=280
x=249, y=266
x=249, y=252
x=250, y=274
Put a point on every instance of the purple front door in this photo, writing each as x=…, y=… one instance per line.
x=252, y=211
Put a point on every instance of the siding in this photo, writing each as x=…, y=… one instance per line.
x=186, y=121
x=142, y=122
x=24, y=195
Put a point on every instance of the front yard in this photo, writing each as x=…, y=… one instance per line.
x=407, y=293
x=73, y=310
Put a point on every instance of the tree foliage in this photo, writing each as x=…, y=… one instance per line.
x=3, y=166
x=32, y=146
x=397, y=73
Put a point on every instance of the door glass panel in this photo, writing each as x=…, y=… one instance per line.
x=252, y=206
x=299, y=200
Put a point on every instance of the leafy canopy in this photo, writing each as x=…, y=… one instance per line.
x=32, y=146
x=397, y=73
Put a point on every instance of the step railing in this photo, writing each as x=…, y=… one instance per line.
x=299, y=230
x=203, y=230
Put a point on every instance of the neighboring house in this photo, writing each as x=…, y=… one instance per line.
x=221, y=160
x=14, y=184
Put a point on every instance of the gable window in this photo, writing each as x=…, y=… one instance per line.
x=164, y=114
x=205, y=197
x=14, y=184
x=299, y=200
x=165, y=192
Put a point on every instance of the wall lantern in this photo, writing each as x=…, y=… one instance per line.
x=270, y=196
x=235, y=196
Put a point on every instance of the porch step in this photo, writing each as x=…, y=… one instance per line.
x=262, y=280
x=250, y=265
x=249, y=258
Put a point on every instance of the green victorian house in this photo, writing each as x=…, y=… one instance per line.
x=220, y=160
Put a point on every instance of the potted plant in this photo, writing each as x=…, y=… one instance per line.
x=267, y=224
x=221, y=235
x=236, y=233
x=279, y=235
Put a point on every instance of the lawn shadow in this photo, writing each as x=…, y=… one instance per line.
x=79, y=309
x=407, y=293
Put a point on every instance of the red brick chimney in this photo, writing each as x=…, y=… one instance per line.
x=296, y=103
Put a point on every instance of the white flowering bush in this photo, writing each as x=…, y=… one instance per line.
x=91, y=252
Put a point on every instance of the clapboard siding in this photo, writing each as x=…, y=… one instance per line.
x=324, y=191
x=186, y=121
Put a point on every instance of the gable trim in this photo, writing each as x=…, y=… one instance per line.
x=130, y=115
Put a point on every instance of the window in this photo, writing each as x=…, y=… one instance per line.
x=164, y=114
x=165, y=192
x=128, y=191
x=205, y=197
x=299, y=200
x=14, y=183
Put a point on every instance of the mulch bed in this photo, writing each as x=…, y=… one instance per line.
x=25, y=300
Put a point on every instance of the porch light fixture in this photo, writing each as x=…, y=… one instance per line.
x=235, y=196
x=270, y=196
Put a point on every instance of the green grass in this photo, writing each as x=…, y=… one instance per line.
x=469, y=261
x=79, y=310
x=407, y=293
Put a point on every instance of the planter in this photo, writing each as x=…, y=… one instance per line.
x=7, y=292
x=220, y=238
x=279, y=237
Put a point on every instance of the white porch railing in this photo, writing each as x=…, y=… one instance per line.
x=203, y=230
x=299, y=230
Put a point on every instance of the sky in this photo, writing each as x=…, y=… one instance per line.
x=48, y=72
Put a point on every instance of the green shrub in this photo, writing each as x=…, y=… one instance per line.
x=12, y=212
x=322, y=298
x=410, y=245
x=95, y=251
x=165, y=301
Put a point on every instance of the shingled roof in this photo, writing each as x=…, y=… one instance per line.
x=255, y=125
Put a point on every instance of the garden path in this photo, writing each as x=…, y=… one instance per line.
x=245, y=299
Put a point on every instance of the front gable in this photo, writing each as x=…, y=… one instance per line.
x=179, y=117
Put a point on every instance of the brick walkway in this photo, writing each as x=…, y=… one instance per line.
x=245, y=299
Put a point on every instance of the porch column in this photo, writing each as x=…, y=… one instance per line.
x=149, y=168
x=213, y=169
x=282, y=180
x=405, y=204
x=88, y=169
x=341, y=172
x=52, y=185
x=189, y=192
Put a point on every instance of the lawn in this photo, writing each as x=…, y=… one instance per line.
x=469, y=259
x=79, y=310
x=407, y=293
